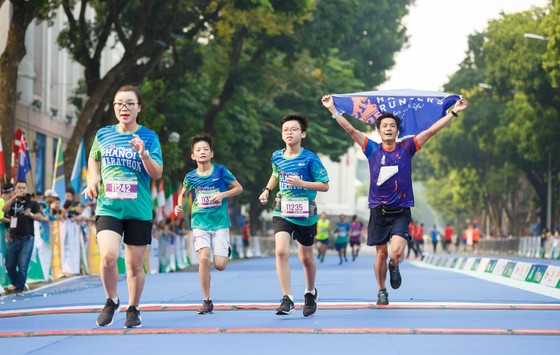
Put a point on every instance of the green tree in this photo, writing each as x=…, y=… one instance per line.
x=506, y=137
x=23, y=13
x=255, y=72
x=144, y=30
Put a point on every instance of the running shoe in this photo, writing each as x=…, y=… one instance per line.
x=394, y=276
x=133, y=319
x=382, y=297
x=310, y=305
x=286, y=307
x=105, y=318
x=207, y=307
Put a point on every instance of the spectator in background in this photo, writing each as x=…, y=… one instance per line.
x=434, y=233
x=246, y=233
x=37, y=196
x=465, y=237
x=56, y=210
x=68, y=201
x=448, y=235
x=410, y=244
x=419, y=238
x=50, y=197
x=475, y=239
x=7, y=193
x=22, y=212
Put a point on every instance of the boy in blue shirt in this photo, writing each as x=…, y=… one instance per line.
x=212, y=185
x=300, y=174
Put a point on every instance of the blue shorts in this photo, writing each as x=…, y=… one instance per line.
x=384, y=223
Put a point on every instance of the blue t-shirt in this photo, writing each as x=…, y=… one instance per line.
x=390, y=173
x=205, y=214
x=125, y=184
x=309, y=168
x=343, y=230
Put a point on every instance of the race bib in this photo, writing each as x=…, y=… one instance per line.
x=203, y=198
x=13, y=222
x=295, y=207
x=121, y=189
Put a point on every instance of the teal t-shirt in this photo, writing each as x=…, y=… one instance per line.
x=309, y=168
x=342, y=232
x=205, y=214
x=125, y=184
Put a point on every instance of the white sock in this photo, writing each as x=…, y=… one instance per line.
x=116, y=300
x=291, y=298
x=311, y=292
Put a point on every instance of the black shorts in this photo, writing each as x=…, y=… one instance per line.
x=135, y=232
x=245, y=243
x=355, y=243
x=305, y=235
x=383, y=224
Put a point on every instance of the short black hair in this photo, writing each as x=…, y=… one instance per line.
x=294, y=116
x=202, y=137
x=387, y=115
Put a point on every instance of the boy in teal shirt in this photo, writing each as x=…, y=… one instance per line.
x=300, y=175
x=211, y=184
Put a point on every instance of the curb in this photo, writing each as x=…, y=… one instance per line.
x=545, y=275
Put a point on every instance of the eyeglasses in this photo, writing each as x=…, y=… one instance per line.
x=291, y=130
x=129, y=105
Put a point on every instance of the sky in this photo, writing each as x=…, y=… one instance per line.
x=438, y=31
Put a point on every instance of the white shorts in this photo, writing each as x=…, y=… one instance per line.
x=217, y=241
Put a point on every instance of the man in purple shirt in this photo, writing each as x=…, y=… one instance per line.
x=390, y=194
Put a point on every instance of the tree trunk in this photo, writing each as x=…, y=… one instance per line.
x=22, y=15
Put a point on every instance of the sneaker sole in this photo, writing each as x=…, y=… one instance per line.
x=134, y=326
x=282, y=313
x=114, y=314
x=211, y=312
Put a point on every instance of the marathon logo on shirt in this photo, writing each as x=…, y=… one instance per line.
x=284, y=180
x=121, y=156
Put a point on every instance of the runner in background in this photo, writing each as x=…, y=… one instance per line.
x=355, y=236
x=322, y=238
x=341, y=241
x=246, y=234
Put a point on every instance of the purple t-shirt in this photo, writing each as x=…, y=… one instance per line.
x=390, y=173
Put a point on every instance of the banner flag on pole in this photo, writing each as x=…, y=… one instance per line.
x=16, y=142
x=417, y=109
x=160, y=215
x=169, y=203
x=59, y=182
x=2, y=162
x=78, y=180
x=22, y=153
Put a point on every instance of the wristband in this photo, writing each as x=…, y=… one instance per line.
x=454, y=113
x=335, y=115
x=267, y=189
x=146, y=155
